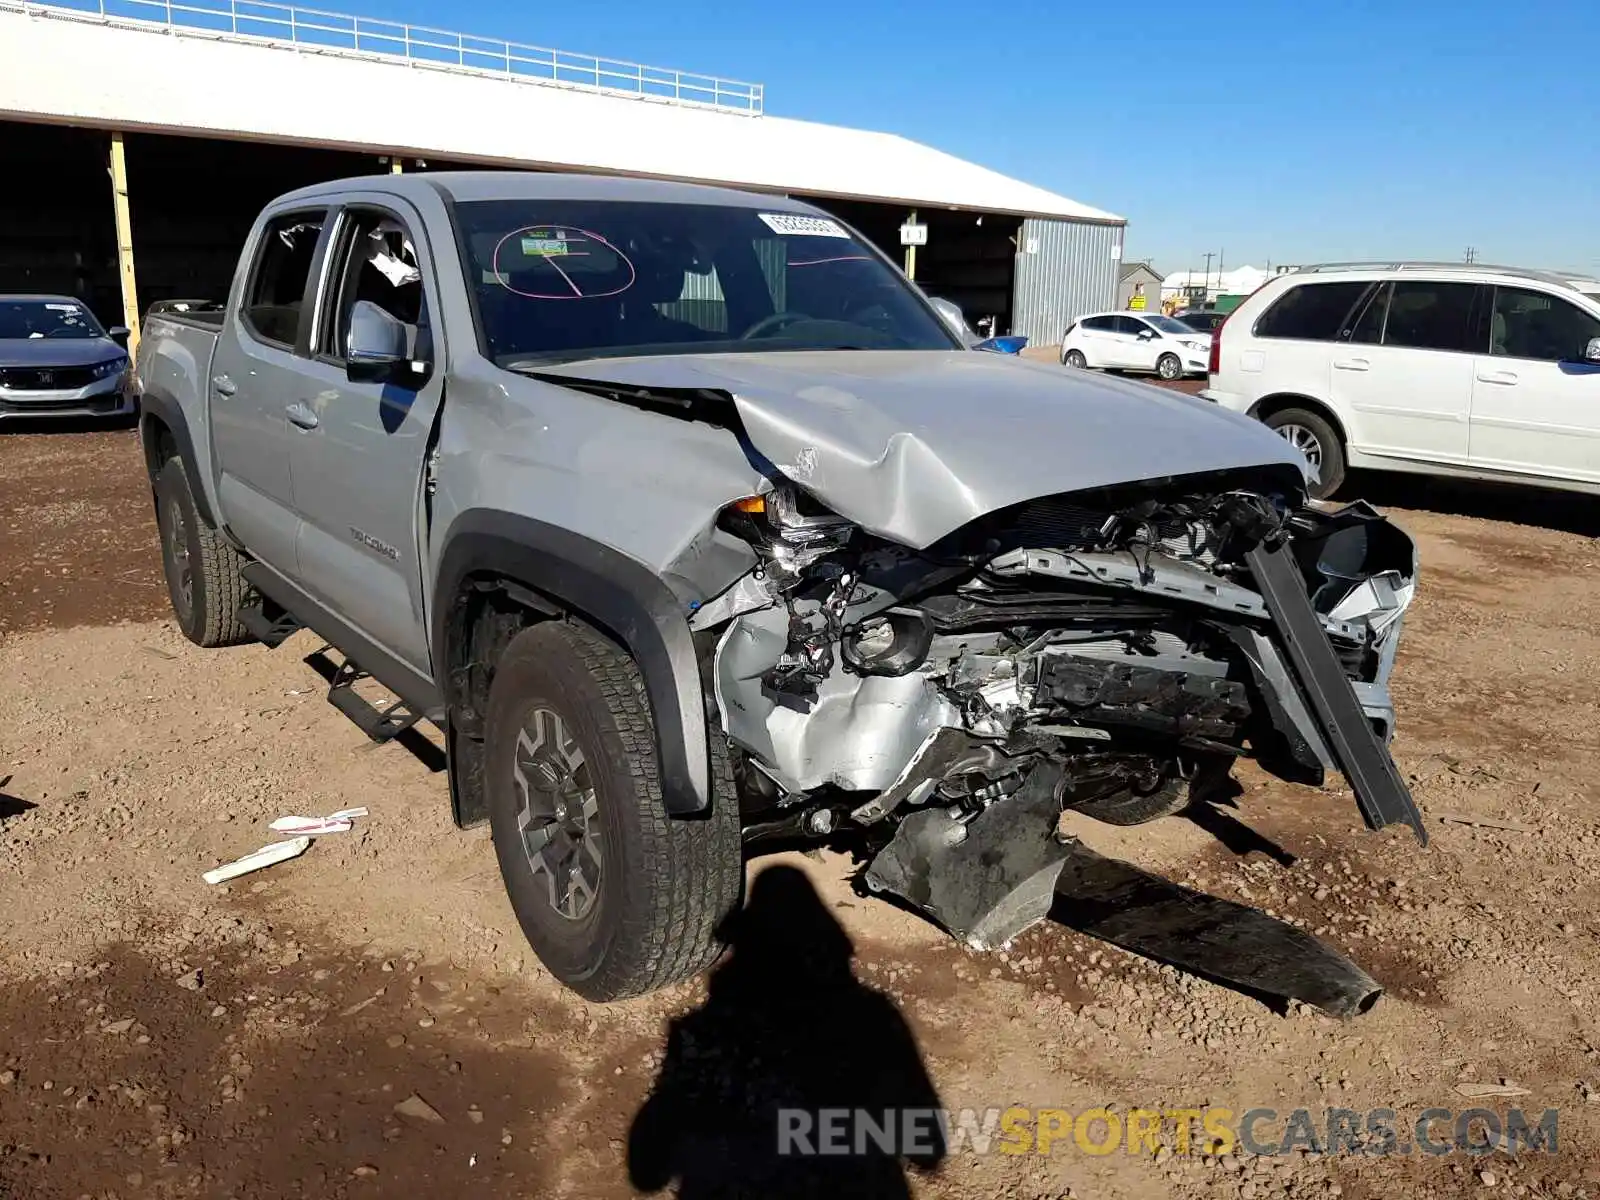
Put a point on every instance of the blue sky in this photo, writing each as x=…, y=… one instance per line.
x=1265, y=129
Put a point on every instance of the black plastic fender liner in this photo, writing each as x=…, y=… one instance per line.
x=618, y=594
x=1381, y=793
x=1218, y=939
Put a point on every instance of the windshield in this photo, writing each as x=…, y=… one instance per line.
x=565, y=280
x=47, y=319
x=1170, y=325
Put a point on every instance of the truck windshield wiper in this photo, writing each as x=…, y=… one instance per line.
x=694, y=404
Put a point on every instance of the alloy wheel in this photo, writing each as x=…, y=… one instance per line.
x=1303, y=440
x=558, y=820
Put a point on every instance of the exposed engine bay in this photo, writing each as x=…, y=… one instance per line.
x=1110, y=651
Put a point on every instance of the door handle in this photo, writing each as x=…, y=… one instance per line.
x=1351, y=364
x=1507, y=378
x=224, y=385
x=303, y=416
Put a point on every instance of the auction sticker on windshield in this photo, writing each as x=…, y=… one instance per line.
x=793, y=223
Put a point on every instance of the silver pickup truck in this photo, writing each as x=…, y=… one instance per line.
x=695, y=527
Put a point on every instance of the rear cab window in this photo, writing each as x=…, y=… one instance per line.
x=1313, y=312
x=276, y=293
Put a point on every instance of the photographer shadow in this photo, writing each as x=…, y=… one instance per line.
x=793, y=1079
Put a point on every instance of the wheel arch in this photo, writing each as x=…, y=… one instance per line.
x=1278, y=401
x=499, y=572
x=163, y=433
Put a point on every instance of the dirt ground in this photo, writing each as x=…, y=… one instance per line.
x=367, y=1021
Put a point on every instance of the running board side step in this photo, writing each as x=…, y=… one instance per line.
x=379, y=724
x=270, y=631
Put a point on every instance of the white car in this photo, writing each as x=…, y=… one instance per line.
x=1439, y=368
x=1131, y=341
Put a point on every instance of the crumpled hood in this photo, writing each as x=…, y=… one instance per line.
x=911, y=445
x=57, y=352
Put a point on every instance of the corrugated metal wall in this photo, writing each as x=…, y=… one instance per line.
x=1064, y=269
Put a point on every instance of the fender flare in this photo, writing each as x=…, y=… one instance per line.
x=620, y=595
x=159, y=406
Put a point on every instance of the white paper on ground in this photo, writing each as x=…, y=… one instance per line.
x=339, y=822
x=267, y=856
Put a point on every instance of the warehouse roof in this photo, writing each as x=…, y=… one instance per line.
x=67, y=66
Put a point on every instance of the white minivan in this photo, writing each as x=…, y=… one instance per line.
x=1449, y=369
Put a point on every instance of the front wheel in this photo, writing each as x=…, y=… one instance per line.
x=615, y=896
x=1169, y=367
x=1315, y=438
x=1075, y=359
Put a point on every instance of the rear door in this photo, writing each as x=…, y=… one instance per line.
x=1402, y=369
x=358, y=450
x=1535, y=401
x=254, y=368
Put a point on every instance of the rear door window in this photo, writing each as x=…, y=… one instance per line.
x=1131, y=326
x=1529, y=324
x=277, y=289
x=1100, y=324
x=1311, y=312
x=1429, y=315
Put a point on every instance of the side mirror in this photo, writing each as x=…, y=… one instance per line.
x=376, y=348
x=119, y=335
x=1008, y=344
x=1591, y=352
x=1146, y=334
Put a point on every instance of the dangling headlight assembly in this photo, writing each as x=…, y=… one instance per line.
x=787, y=527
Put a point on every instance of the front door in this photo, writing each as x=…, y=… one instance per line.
x=254, y=367
x=1403, y=371
x=1141, y=344
x=359, y=449
x=1535, y=400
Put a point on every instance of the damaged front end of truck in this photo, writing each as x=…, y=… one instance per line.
x=983, y=593
x=1112, y=651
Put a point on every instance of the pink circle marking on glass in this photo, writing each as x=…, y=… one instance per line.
x=577, y=293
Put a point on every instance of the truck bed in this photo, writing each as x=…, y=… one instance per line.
x=202, y=314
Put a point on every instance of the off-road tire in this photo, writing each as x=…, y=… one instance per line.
x=209, y=615
x=1130, y=807
x=1332, y=466
x=666, y=883
x=1074, y=359
x=1169, y=367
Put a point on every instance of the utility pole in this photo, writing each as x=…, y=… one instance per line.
x=1209, y=256
x=1472, y=254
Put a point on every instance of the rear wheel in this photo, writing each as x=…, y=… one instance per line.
x=1315, y=438
x=201, y=566
x=1075, y=358
x=1169, y=367
x=615, y=896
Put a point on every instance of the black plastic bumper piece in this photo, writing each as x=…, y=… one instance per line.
x=1380, y=792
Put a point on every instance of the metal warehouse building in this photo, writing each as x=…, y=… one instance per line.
x=139, y=138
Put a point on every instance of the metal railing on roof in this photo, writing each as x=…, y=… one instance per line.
x=319, y=31
x=1565, y=278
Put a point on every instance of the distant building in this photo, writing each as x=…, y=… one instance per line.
x=1139, y=280
x=1202, y=287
